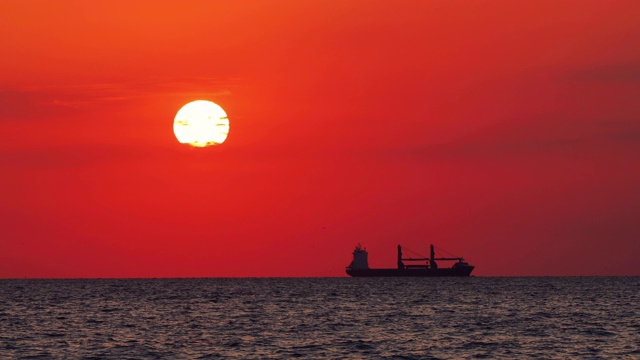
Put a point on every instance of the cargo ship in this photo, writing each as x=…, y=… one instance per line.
x=359, y=266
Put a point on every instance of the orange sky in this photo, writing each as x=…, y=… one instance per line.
x=504, y=131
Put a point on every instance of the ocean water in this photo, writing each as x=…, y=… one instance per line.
x=420, y=318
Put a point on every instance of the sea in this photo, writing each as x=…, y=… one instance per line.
x=322, y=318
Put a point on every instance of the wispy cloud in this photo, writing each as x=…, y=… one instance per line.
x=523, y=140
x=38, y=101
x=618, y=73
x=63, y=156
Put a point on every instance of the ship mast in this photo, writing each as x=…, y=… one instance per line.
x=432, y=258
x=400, y=263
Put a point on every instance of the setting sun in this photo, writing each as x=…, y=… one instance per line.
x=201, y=123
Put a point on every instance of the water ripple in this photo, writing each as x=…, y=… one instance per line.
x=321, y=318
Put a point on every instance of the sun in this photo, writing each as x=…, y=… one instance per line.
x=201, y=123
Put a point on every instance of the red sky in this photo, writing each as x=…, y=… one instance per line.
x=507, y=132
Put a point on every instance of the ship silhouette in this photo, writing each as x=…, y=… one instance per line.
x=359, y=266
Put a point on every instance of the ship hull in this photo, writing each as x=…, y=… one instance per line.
x=454, y=271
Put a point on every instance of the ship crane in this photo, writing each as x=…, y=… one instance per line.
x=431, y=259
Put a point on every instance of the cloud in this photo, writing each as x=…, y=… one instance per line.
x=618, y=73
x=523, y=140
x=66, y=156
x=42, y=101
x=21, y=104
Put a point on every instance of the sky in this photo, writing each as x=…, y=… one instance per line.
x=507, y=132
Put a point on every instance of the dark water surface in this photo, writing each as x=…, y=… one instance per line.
x=404, y=318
